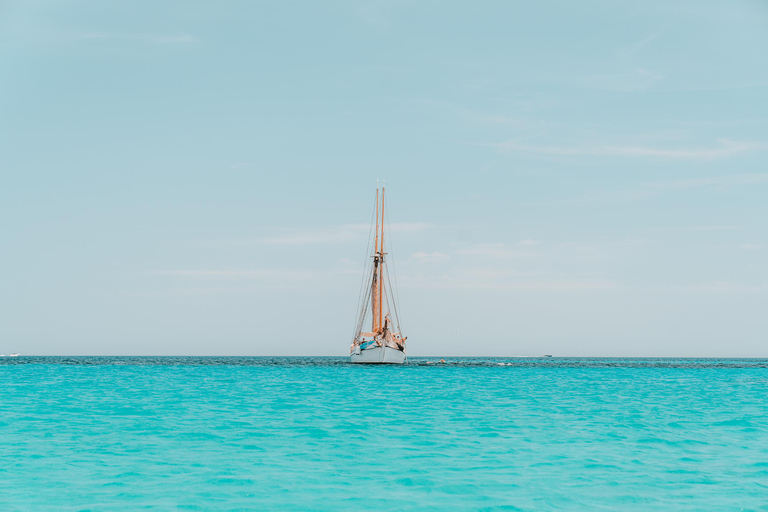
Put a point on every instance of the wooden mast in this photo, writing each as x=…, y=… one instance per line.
x=374, y=285
x=381, y=264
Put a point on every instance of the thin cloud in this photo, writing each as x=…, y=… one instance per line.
x=429, y=257
x=520, y=249
x=639, y=45
x=484, y=283
x=734, y=179
x=244, y=281
x=654, y=189
x=492, y=281
x=289, y=274
x=631, y=81
x=698, y=87
x=727, y=147
x=149, y=38
x=715, y=286
x=338, y=234
x=701, y=228
x=472, y=115
x=490, y=250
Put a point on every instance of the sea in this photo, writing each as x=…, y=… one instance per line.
x=320, y=434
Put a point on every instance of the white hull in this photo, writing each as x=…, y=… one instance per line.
x=378, y=355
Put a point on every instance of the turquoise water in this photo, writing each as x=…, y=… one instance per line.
x=125, y=434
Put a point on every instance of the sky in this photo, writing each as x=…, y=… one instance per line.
x=568, y=178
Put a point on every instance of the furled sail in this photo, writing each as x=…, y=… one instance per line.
x=378, y=298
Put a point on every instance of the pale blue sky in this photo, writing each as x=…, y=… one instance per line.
x=571, y=178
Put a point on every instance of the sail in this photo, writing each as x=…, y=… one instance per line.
x=378, y=298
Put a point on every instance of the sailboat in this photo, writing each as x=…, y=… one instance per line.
x=384, y=343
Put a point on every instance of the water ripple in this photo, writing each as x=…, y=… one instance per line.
x=240, y=433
